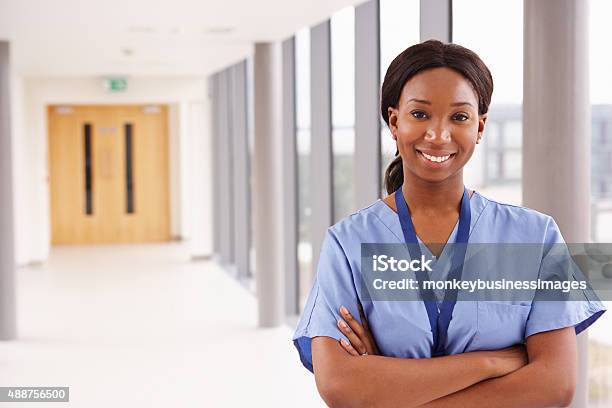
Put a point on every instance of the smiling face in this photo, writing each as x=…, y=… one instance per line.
x=436, y=124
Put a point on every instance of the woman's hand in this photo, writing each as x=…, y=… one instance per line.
x=361, y=340
x=509, y=359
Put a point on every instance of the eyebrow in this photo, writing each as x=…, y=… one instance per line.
x=426, y=102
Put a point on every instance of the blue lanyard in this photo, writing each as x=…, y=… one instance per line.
x=439, y=320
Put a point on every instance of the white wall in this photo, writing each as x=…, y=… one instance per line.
x=31, y=97
x=23, y=182
x=4, y=21
x=201, y=196
x=175, y=127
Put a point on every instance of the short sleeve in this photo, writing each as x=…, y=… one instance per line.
x=333, y=287
x=580, y=310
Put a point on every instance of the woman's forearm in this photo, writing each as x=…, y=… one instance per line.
x=548, y=380
x=533, y=386
x=377, y=381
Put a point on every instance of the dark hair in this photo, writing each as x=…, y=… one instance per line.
x=420, y=57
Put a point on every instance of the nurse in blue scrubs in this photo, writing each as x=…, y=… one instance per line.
x=437, y=352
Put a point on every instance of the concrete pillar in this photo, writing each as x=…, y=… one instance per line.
x=556, y=125
x=436, y=20
x=268, y=182
x=8, y=309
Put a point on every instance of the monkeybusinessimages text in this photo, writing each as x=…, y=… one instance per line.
x=383, y=263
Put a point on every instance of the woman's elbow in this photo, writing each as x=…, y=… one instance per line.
x=337, y=392
x=332, y=392
x=559, y=387
x=332, y=371
x=565, y=393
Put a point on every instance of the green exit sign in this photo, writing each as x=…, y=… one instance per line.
x=115, y=84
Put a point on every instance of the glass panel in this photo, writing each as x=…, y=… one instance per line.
x=399, y=29
x=129, y=175
x=490, y=138
x=344, y=152
x=302, y=106
x=250, y=139
x=493, y=166
x=302, y=78
x=486, y=168
x=388, y=149
x=303, y=153
x=600, y=66
x=304, y=250
x=342, y=33
x=88, y=166
x=503, y=24
x=513, y=134
x=512, y=163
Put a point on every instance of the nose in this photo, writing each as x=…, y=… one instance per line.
x=439, y=136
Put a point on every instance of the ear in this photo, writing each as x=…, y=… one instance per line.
x=392, y=113
x=482, y=120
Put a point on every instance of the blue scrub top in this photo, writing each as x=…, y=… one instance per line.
x=402, y=329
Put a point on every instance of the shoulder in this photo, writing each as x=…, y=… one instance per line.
x=515, y=220
x=362, y=223
x=513, y=209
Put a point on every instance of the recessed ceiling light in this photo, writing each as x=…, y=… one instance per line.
x=219, y=30
x=128, y=52
x=142, y=29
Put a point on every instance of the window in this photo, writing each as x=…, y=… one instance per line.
x=302, y=134
x=250, y=112
x=399, y=29
x=495, y=168
x=601, y=117
x=129, y=171
x=342, y=33
x=88, y=166
x=600, y=64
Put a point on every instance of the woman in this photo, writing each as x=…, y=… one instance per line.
x=367, y=353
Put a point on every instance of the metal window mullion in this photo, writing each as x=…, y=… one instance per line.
x=239, y=161
x=224, y=175
x=229, y=123
x=436, y=20
x=367, y=158
x=290, y=179
x=214, y=99
x=321, y=182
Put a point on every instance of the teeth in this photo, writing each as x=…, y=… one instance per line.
x=437, y=159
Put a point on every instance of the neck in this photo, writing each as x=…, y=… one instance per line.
x=439, y=197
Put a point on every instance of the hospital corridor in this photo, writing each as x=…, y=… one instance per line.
x=177, y=177
x=143, y=338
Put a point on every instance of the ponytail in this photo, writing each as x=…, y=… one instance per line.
x=394, y=175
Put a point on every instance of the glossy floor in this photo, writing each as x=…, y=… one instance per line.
x=142, y=326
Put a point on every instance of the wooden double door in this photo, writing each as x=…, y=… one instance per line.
x=108, y=174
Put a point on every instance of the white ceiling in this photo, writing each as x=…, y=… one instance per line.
x=169, y=37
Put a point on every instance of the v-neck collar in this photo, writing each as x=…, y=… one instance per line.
x=391, y=220
x=427, y=252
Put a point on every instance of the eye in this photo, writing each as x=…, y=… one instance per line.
x=419, y=114
x=461, y=117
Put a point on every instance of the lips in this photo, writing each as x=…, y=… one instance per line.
x=436, y=158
